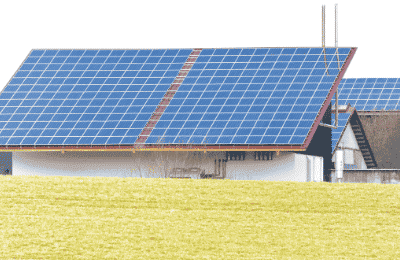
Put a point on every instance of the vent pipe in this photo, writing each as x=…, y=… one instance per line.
x=339, y=165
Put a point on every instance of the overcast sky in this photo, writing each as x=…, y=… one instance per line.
x=370, y=26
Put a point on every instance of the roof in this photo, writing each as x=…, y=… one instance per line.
x=381, y=130
x=261, y=98
x=368, y=94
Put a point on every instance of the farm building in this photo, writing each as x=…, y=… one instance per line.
x=370, y=129
x=236, y=113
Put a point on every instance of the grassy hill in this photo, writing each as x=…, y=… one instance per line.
x=133, y=218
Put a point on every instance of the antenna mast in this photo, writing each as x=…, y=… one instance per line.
x=336, y=27
x=323, y=37
x=323, y=46
x=336, y=36
x=323, y=26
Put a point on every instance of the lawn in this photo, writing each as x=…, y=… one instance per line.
x=134, y=218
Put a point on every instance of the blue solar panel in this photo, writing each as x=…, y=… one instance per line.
x=61, y=97
x=336, y=133
x=259, y=89
x=370, y=93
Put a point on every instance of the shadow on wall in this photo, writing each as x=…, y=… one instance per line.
x=5, y=163
x=143, y=164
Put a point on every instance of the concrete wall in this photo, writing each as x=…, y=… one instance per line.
x=369, y=176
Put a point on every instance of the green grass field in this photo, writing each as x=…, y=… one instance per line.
x=133, y=218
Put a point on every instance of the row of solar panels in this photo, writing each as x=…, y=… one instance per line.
x=186, y=52
x=173, y=59
x=370, y=94
x=288, y=100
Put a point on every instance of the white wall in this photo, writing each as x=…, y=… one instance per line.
x=284, y=167
x=108, y=164
x=313, y=172
x=280, y=168
x=73, y=164
x=349, y=140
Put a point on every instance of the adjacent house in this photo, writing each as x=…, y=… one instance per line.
x=369, y=131
x=350, y=138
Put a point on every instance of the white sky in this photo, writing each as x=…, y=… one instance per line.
x=370, y=26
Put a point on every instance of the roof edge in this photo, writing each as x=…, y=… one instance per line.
x=174, y=48
x=133, y=148
x=327, y=101
x=378, y=112
x=342, y=133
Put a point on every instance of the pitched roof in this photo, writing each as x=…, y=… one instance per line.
x=381, y=130
x=250, y=97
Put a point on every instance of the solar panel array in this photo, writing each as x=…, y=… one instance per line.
x=336, y=133
x=85, y=96
x=249, y=96
x=370, y=93
x=230, y=96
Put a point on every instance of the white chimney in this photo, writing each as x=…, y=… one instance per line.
x=339, y=165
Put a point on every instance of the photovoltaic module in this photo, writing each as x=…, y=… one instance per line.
x=229, y=96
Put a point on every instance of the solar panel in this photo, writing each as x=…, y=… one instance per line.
x=336, y=133
x=88, y=97
x=370, y=93
x=249, y=96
